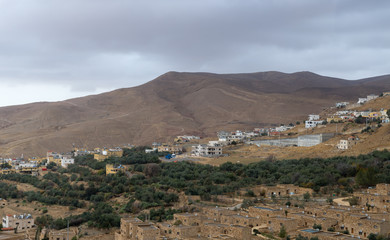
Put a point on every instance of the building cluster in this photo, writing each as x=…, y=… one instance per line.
x=325, y=222
x=367, y=115
x=20, y=165
x=62, y=160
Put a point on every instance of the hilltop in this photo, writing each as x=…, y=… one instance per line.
x=174, y=104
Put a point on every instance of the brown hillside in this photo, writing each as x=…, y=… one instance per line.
x=174, y=104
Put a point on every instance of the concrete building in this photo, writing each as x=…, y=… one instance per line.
x=66, y=161
x=301, y=141
x=314, y=117
x=372, y=97
x=362, y=100
x=341, y=104
x=102, y=154
x=174, y=149
x=343, y=144
x=207, y=150
x=312, y=140
x=312, y=123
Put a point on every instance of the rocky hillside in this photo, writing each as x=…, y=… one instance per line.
x=175, y=104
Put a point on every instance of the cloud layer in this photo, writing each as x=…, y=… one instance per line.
x=86, y=45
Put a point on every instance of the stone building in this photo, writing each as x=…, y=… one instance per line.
x=62, y=234
x=188, y=219
x=212, y=230
x=378, y=198
x=281, y=190
x=304, y=220
x=363, y=225
x=134, y=228
x=216, y=213
x=21, y=222
x=179, y=231
x=240, y=220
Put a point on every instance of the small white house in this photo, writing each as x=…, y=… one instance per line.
x=341, y=104
x=312, y=124
x=362, y=100
x=314, y=117
x=343, y=144
x=66, y=161
x=371, y=97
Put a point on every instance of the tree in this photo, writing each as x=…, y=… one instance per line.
x=388, y=113
x=317, y=226
x=152, y=170
x=372, y=236
x=353, y=201
x=282, y=232
x=306, y=196
x=366, y=177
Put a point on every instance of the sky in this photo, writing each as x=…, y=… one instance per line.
x=51, y=50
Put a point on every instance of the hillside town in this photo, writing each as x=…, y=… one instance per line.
x=303, y=215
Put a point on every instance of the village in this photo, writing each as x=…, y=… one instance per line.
x=284, y=210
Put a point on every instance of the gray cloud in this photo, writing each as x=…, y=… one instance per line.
x=107, y=44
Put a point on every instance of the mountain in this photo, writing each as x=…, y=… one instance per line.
x=175, y=104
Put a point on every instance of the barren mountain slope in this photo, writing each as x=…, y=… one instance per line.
x=174, y=104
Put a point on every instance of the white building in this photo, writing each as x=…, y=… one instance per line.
x=223, y=136
x=212, y=149
x=314, y=117
x=343, y=144
x=281, y=129
x=341, y=104
x=312, y=124
x=362, y=100
x=20, y=222
x=66, y=161
x=371, y=97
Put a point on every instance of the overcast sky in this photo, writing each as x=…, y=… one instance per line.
x=57, y=49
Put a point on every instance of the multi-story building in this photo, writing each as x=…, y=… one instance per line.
x=207, y=150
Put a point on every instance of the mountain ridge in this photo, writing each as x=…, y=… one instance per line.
x=175, y=104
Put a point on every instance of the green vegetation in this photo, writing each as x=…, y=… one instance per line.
x=151, y=184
